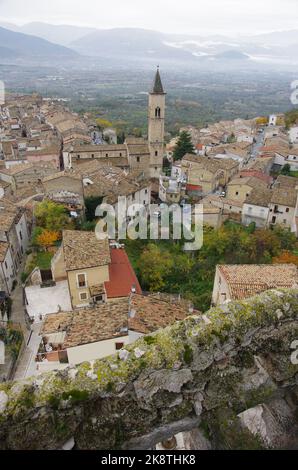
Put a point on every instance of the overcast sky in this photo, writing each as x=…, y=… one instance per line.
x=183, y=16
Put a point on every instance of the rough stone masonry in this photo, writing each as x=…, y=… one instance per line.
x=227, y=374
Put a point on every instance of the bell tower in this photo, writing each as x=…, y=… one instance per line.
x=156, y=126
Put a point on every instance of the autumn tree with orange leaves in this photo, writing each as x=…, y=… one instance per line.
x=286, y=257
x=47, y=238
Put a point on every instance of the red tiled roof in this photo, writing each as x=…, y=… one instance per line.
x=122, y=276
x=193, y=187
x=256, y=174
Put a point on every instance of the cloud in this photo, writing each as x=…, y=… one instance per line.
x=193, y=16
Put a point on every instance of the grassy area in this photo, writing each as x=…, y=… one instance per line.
x=294, y=173
x=43, y=259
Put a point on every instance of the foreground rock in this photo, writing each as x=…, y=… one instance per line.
x=228, y=375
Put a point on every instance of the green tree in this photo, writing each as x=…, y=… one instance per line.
x=52, y=216
x=231, y=139
x=154, y=266
x=286, y=170
x=91, y=204
x=184, y=145
x=291, y=118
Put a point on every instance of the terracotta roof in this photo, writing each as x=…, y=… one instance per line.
x=15, y=169
x=286, y=181
x=99, y=148
x=250, y=181
x=112, y=182
x=60, y=175
x=211, y=164
x=90, y=325
x=8, y=214
x=45, y=151
x=148, y=314
x=261, y=163
x=259, y=197
x=56, y=322
x=284, y=195
x=247, y=280
x=83, y=250
x=193, y=187
x=122, y=276
x=256, y=173
x=138, y=149
x=221, y=201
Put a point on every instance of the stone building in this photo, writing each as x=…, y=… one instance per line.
x=136, y=154
x=156, y=126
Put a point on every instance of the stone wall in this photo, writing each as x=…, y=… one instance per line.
x=202, y=373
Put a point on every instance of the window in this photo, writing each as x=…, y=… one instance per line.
x=92, y=156
x=21, y=235
x=120, y=154
x=5, y=265
x=287, y=209
x=78, y=156
x=138, y=159
x=107, y=155
x=146, y=191
x=119, y=346
x=98, y=298
x=82, y=282
x=273, y=219
x=156, y=153
x=285, y=221
x=237, y=193
x=83, y=296
x=157, y=112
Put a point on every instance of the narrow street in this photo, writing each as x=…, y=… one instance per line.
x=25, y=365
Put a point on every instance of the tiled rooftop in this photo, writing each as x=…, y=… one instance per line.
x=211, y=164
x=90, y=325
x=248, y=280
x=83, y=250
x=148, y=314
x=122, y=276
x=259, y=197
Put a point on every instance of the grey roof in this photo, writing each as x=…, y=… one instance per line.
x=157, y=86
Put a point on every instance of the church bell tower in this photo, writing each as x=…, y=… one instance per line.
x=156, y=126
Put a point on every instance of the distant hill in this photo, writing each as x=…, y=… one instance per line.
x=26, y=46
x=277, y=38
x=231, y=55
x=130, y=43
x=58, y=34
x=133, y=44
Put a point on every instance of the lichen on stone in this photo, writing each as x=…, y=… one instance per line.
x=236, y=358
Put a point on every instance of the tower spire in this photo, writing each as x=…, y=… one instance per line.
x=157, y=86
